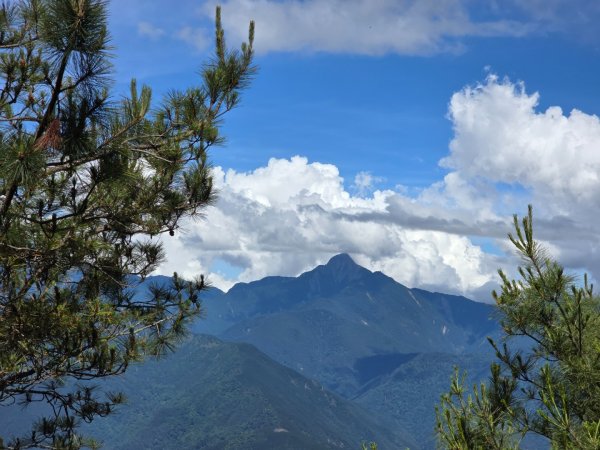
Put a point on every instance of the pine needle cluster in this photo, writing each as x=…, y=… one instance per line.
x=87, y=184
x=546, y=380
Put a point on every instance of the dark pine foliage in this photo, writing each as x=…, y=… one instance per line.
x=549, y=388
x=86, y=182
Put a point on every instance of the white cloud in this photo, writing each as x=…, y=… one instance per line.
x=499, y=136
x=576, y=18
x=364, y=183
x=291, y=215
x=359, y=26
x=371, y=27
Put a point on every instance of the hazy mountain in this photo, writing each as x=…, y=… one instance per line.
x=355, y=293
x=324, y=322
x=363, y=335
x=216, y=395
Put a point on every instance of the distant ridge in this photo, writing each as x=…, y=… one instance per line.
x=354, y=330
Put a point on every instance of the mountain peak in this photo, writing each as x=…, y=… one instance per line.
x=337, y=274
x=342, y=268
x=341, y=260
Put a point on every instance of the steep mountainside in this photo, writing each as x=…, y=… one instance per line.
x=326, y=320
x=415, y=319
x=407, y=394
x=362, y=335
x=216, y=395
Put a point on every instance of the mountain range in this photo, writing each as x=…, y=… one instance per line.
x=333, y=357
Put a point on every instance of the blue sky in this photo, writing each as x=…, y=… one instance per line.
x=404, y=133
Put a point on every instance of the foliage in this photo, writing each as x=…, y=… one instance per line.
x=551, y=388
x=85, y=183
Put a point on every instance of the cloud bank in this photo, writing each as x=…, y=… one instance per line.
x=366, y=27
x=501, y=139
x=292, y=214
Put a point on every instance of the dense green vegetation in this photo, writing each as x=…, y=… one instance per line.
x=326, y=320
x=216, y=395
x=551, y=388
x=85, y=182
x=405, y=397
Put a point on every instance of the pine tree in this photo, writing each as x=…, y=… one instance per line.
x=548, y=384
x=87, y=183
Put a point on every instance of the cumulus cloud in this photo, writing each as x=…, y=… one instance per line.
x=501, y=138
x=293, y=214
x=360, y=26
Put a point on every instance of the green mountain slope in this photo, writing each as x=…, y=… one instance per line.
x=362, y=335
x=326, y=320
x=215, y=395
x=407, y=396
x=415, y=319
